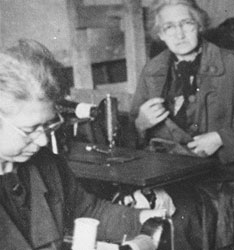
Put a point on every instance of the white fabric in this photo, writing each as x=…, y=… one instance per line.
x=6, y=167
x=163, y=201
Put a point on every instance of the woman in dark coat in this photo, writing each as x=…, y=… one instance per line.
x=39, y=195
x=186, y=94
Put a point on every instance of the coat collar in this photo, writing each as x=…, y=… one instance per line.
x=159, y=65
x=43, y=227
x=211, y=61
x=10, y=236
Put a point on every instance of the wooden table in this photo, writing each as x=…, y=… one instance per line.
x=135, y=167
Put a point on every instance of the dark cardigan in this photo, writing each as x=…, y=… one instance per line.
x=56, y=199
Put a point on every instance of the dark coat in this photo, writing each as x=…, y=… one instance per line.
x=214, y=111
x=215, y=105
x=57, y=199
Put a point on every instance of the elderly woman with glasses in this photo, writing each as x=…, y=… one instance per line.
x=39, y=195
x=186, y=95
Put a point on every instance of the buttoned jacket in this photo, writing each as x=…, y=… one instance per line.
x=215, y=93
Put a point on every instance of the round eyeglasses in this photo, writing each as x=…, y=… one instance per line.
x=187, y=25
x=46, y=128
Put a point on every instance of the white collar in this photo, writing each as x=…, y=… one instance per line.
x=6, y=167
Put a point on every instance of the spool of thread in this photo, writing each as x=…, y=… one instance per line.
x=85, y=233
x=84, y=110
x=79, y=109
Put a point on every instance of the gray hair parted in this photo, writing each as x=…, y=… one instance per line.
x=26, y=73
x=199, y=15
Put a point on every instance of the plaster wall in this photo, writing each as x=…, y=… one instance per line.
x=43, y=20
x=218, y=10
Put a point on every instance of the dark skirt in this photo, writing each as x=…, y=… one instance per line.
x=204, y=216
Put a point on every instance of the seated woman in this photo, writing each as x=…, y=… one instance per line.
x=186, y=95
x=39, y=195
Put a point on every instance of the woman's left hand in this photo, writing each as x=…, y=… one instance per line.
x=205, y=144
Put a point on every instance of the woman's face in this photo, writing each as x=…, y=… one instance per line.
x=178, y=29
x=28, y=116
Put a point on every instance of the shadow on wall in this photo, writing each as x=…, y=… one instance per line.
x=223, y=35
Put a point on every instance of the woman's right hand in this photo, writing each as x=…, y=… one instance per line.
x=151, y=113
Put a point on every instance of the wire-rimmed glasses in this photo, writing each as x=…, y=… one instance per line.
x=187, y=25
x=46, y=128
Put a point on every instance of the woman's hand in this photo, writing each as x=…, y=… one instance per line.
x=205, y=144
x=151, y=113
x=151, y=213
